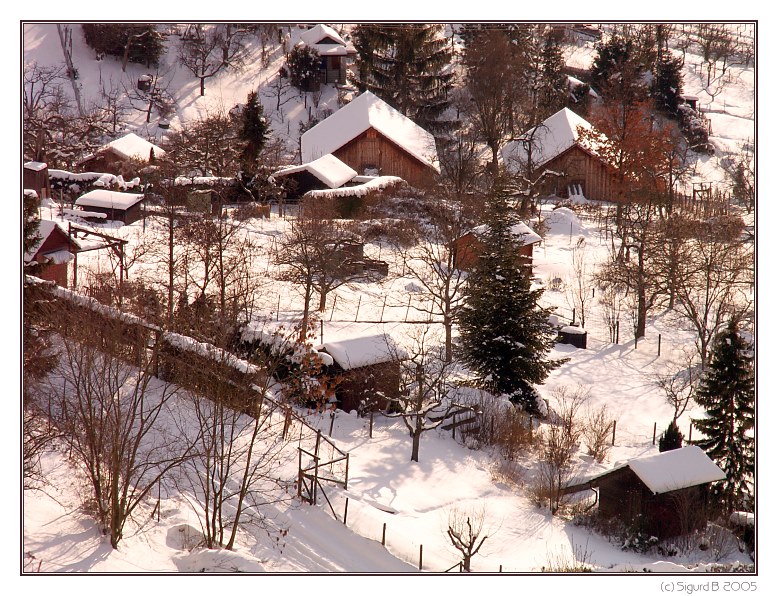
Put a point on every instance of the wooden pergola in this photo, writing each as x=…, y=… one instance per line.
x=106, y=241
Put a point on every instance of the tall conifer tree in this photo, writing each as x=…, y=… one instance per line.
x=726, y=392
x=408, y=67
x=505, y=334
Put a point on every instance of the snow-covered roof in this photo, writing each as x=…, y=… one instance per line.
x=362, y=351
x=321, y=38
x=108, y=199
x=35, y=166
x=364, y=112
x=520, y=230
x=328, y=168
x=368, y=184
x=130, y=146
x=45, y=228
x=674, y=469
x=552, y=137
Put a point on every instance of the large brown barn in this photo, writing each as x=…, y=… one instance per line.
x=664, y=495
x=557, y=145
x=372, y=137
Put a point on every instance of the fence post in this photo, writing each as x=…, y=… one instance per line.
x=408, y=308
x=383, y=308
x=321, y=331
x=359, y=303
x=421, y=555
x=613, y=438
x=371, y=424
x=659, y=347
x=332, y=421
x=653, y=441
x=278, y=309
x=345, y=479
x=334, y=302
x=345, y=512
x=383, y=536
x=617, y=331
x=689, y=440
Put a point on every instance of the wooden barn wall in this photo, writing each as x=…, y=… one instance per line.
x=468, y=247
x=373, y=149
x=576, y=164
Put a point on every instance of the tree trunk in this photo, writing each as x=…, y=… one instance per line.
x=202, y=86
x=416, y=441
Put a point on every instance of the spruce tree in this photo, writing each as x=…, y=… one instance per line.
x=408, y=67
x=667, y=85
x=726, y=392
x=505, y=335
x=671, y=439
x=254, y=132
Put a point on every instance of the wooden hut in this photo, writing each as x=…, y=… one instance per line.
x=664, y=495
x=49, y=258
x=368, y=369
x=336, y=53
x=468, y=247
x=36, y=177
x=108, y=204
x=325, y=172
x=122, y=150
x=557, y=145
x=373, y=138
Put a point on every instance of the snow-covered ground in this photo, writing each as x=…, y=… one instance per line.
x=412, y=499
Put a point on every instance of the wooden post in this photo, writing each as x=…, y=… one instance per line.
x=332, y=421
x=371, y=424
x=278, y=308
x=659, y=347
x=345, y=512
x=573, y=323
x=653, y=441
x=359, y=302
x=408, y=308
x=383, y=536
x=321, y=331
x=689, y=440
x=636, y=342
x=334, y=302
x=345, y=479
x=383, y=308
x=613, y=438
x=421, y=555
x=617, y=331
x=300, y=473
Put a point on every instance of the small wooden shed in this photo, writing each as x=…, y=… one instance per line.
x=51, y=255
x=468, y=247
x=368, y=369
x=335, y=53
x=664, y=495
x=118, y=206
x=558, y=145
x=36, y=177
x=122, y=150
x=325, y=172
x=373, y=138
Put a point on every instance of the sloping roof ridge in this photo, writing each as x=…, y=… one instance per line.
x=312, y=36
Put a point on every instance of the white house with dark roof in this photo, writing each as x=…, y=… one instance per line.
x=372, y=137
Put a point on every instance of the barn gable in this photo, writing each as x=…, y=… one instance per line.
x=366, y=121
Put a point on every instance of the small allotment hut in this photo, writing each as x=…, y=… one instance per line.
x=368, y=369
x=468, y=247
x=52, y=253
x=664, y=494
x=118, y=206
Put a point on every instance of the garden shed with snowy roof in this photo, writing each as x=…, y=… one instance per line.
x=663, y=495
x=325, y=172
x=467, y=247
x=52, y=253
x=334, y=51
x=125, y=149
x=108, y=204
x=373, y=138
x=367, y=369
x=560, y=145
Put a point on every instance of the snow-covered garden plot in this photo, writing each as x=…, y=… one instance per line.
x=402, y=504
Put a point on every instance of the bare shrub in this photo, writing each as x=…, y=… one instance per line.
x=504, y=427
x=467, y=533
x=596, y=433
x=579, y=561
x=560, y=441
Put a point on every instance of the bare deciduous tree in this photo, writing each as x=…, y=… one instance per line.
x=467, y=532
x=580, y=284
